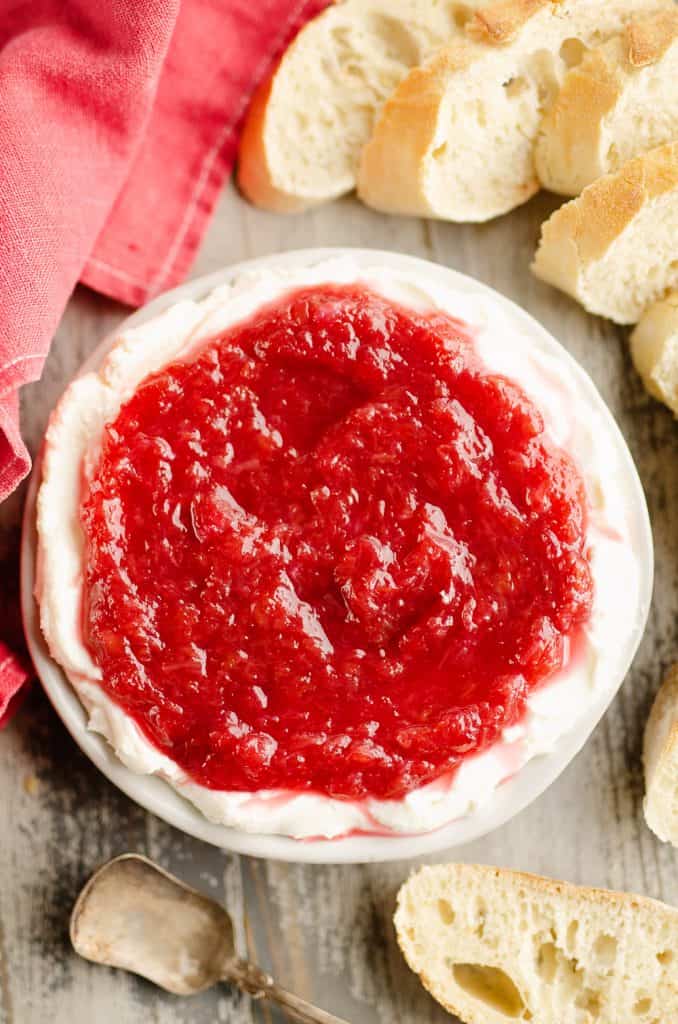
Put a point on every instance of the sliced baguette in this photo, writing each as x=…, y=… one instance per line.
x=620, y=101
x=307, y=124
x=661, y=762
x=496, y=946
x=615, y=247
x=654, y=347
x=456, y=138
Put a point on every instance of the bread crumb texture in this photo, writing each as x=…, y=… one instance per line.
x=307, y=124
x=456, y=138
x=495, y=946
x=617, y=102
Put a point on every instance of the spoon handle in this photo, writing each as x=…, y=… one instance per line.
x=259, y=985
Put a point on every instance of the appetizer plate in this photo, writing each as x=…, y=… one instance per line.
x=509, y=798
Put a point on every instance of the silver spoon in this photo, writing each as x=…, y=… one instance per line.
x=134, y=915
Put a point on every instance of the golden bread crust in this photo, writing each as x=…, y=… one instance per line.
x=499, y=23
x=649, y=38
x=594, y=220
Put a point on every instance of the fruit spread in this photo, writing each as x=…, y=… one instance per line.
x=331, y=551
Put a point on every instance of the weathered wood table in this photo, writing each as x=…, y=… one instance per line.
x=324, y=931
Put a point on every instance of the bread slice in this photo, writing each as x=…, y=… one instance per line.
x=456, y=138
x=308, y=123
x=620, y=101
x=498, y=946
x=615, y=247
x=660, y=755
x=654, y=347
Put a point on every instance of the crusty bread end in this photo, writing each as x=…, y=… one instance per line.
x=654, y=347
x=661, y=761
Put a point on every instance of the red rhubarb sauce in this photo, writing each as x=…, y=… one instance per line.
x=330, y=551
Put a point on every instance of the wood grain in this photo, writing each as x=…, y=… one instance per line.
x=325, y=931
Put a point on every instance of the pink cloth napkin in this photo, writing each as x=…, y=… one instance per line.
x=118, y=125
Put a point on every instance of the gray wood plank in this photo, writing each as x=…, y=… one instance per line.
x=325, y=931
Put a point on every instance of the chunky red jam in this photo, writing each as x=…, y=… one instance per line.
x=331, y=551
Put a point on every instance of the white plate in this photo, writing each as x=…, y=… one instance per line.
x=508, y=800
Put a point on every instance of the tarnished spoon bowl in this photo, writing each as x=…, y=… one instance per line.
x=133, y=915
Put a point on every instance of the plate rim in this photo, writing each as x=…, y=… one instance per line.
x=157, y=796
